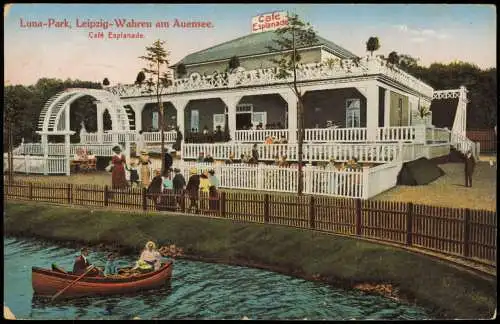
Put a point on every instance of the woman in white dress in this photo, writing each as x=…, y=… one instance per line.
x=150, y=258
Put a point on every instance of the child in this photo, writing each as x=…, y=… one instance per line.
x=110, y=268
x=134, y=174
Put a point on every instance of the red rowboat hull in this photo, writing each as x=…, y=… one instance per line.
x=48, y=283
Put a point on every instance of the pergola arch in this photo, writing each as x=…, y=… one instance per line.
x=51, y=121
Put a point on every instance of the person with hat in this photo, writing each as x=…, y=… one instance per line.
x=193, y=187
x=179, y=184
x=118, y=178
x=82, y=263
x=150, y=258
x=145, y=163
x=155, y=188
x=212, y=190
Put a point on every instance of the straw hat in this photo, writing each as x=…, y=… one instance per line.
x=150, y=244
x=143, y=151
x=193, y=171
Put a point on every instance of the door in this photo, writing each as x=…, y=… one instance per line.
x=243, y=121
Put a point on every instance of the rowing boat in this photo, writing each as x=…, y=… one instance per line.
x=48, y=282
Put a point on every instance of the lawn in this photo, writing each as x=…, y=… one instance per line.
x=447, y=191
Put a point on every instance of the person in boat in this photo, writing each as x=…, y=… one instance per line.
x=110, y=267
x=82, y=263
x=150, y=258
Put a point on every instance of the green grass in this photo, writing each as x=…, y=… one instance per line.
x=444, y=290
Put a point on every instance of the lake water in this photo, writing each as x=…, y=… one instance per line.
x=197, y=291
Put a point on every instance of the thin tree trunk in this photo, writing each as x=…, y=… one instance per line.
x=300, y=175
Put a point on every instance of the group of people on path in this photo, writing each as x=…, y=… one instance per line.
x=168, y=192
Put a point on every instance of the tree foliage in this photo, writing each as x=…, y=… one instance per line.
x=373, y=44
x=23, y=105
x=181, y=70
x=393, y=58
x=481, y=84
x=234, y=63
x=296, y=35
x=140, y=78
x=158, y=78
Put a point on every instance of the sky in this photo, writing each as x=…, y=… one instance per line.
x=432, y=33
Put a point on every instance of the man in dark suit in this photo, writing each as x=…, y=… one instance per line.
x=168, y=160
x=81, y=264
x=470, y=163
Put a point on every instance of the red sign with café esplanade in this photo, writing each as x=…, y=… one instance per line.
x=269, y=21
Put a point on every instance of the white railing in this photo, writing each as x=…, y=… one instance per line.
x=155, y=137
x=411, y=151
x=349, y=135
x=259, y=135
x=376, y=152
x=437, y=150
x=463, y=144
x=335, y=134
x=381, y=178
x=37, y=165
x=332, y=182
x=394, y=134
x=306, y=72
x=437, y=135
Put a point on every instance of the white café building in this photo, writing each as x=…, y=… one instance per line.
x=354, y=106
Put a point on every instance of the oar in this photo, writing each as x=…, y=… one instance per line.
x=72, y=283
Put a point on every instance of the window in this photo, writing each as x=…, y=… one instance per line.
x=154, y=123
x=195, y=120
x=353, y=113
x=244, y=108
x=259, y=117
x=219, y=120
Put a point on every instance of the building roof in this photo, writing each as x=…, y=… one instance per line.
x=253, y=44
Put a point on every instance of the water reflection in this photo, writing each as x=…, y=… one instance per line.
x=197, y=291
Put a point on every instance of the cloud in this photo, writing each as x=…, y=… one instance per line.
x=420, y=35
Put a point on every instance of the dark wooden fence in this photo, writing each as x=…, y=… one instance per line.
x=486, y=138
x=466, y=233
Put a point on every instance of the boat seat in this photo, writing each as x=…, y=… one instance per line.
x=58, y=269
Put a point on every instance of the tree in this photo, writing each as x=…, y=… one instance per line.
x=105, y=82
x=140, y=78
x=295, y=35
x=234, y=63
x=393, y=58
x=372, y=44
x=181, y=70
x=158, y=79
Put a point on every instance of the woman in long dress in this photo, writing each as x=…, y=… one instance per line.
x=150, y=258
x=118, y=179
x=145, y=162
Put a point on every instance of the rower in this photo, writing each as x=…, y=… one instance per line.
x=81, y=264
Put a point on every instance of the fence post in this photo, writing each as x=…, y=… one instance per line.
x=183, y=201
x=223, y=204
x=358, y=216
x=311, y=213
x=69, y=193
x=144, y=199
x=266, y=208
x=466, y=232
x=365, y=182
x=106, y=193
x=409, y=224
x=30, y=189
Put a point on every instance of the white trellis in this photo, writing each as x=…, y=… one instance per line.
x=55, y=118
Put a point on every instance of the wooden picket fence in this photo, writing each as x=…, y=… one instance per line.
x=466, y=233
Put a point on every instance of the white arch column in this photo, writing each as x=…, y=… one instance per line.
x=138, y=107
x=371, y=92
x=291, y=100
x=100, y=123
x=180, y=106
x=231, y=101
